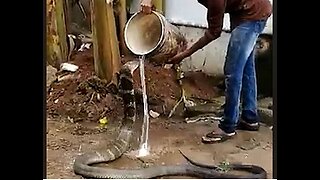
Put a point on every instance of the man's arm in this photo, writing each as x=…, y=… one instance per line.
x=215, y=15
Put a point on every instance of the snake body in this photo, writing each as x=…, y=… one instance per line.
x=83, y=163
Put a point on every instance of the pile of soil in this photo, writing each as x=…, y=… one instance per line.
x=81, y=96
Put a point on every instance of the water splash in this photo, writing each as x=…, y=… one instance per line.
x=144, y=149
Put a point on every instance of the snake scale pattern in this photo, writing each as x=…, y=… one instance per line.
x=83, y=163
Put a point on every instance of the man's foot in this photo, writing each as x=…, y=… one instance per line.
x=248, y=126
x=217, y=136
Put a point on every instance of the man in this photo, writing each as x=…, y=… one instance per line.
x=247, y=19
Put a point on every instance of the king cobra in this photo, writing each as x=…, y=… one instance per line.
x=83, y=163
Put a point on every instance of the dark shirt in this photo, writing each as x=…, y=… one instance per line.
x=239, y=11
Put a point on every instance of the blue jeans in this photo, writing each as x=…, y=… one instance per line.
x=240, y=75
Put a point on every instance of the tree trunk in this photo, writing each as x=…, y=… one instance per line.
x=56, y=33
x=158, y=5
x=122, y=15
x=67, y=12
x=105, y=42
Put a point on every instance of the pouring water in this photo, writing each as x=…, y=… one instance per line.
x=144, y=149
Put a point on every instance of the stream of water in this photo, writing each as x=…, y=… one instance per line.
x=144, y=148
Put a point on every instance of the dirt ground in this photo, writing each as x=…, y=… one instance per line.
x=77, y=101
x=66, y=140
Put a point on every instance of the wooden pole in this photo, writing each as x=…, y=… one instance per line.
x=56, y=33
x=67, y=12
x=61, y=27
x=122, y=14
x=113, y=40
x=158, y=5
x=105, y=43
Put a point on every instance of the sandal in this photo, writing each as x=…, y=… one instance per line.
x=248, y=126
x=213, y=137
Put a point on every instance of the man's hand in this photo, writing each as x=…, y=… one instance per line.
x=179, y=57
x=203, y=41
x=146, y=6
